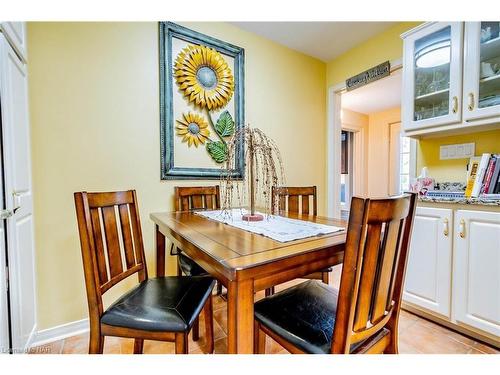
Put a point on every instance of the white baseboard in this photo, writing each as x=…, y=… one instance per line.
x=63, y=331
x=32, y=337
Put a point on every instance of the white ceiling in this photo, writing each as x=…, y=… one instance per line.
x=375, y=97
x=323, y=40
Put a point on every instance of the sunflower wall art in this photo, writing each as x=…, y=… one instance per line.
x=201, y=103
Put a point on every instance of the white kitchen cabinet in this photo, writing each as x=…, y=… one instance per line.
x=428, y=274
x=438, y=95
x=476, y=270
x=432, y=75
x=481, y=94
x=15, y=33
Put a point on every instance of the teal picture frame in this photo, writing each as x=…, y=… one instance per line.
x=167, y=31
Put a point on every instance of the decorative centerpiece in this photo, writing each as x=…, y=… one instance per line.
x=263, y=170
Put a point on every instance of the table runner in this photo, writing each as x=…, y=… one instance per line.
x=278, y=228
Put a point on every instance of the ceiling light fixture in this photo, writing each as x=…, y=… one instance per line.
x=434, y=55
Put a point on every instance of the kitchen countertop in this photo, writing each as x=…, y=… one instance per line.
x=470, y=201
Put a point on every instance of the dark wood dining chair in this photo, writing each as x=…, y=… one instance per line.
x=298, y=200
x=163, y=308
x=191, y=198
x=362, y=316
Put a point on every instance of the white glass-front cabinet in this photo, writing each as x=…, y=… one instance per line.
x=428, y=274
x=432, y=75
x=476, y=271
x=481, y=94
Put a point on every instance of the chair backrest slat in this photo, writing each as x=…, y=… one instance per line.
x=305, y=204
x=197, y=202
x=375, y=258
x=381, y=297
x=209, y=201
x=137, y=233
x=368, y=278
x=127, y=235
x=189, y=198
x=99, y=245
x=111, y=240
x=293, y=203
x=295, y=199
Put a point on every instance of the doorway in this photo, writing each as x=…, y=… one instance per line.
x=346, y=172
x=362, y=118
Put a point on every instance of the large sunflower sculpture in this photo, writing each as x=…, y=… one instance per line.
x=204, y=77
x=193, y=129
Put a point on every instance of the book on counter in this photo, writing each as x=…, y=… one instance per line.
x=483, y=176
x=472, y=175
x=495, y=179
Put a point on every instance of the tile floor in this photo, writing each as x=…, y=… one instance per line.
x=416, y=336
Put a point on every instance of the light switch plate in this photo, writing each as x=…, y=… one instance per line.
x=458, y=151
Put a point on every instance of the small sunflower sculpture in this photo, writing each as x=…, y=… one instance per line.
x=193, y=129
x=204, y=77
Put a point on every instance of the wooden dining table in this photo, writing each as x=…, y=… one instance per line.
x=245, y=262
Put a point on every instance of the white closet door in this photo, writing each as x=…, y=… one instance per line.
x=18, y=193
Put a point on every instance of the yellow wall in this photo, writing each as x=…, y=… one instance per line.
x=453, y=170
x=382, y=47
x=95, y=126
x=389, y=46
x=378, y=150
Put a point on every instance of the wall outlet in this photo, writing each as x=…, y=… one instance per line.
x=458, y=151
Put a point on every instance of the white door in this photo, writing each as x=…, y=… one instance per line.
x=476, y=291
x=18, y=195
x=432, y=76
x=15, y=32
x=482, y=66
x=4, y=307
x=428, y=274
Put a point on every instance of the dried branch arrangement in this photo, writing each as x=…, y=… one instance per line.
x=263, y=170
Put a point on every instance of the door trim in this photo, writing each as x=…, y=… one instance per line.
x=333, y=129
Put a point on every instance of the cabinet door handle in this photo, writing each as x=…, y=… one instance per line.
x=445, y=227
x=471, y=101
x=462, y=228
x=455, y=104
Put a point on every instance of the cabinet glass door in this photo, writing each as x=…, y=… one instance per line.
x=482, y=70
x=489, y=65
x=432, y=81
x=432, y=75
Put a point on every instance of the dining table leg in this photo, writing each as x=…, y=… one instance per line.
x=240, y=298
x=160, y=253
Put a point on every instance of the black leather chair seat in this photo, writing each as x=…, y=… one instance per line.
x=303, y=315
x=163, y=304
x=189, y=267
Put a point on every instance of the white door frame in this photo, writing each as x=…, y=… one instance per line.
x=4, y=294
x=333, y=130
x=359, y=158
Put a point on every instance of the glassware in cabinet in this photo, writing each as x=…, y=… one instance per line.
x=432, y=75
